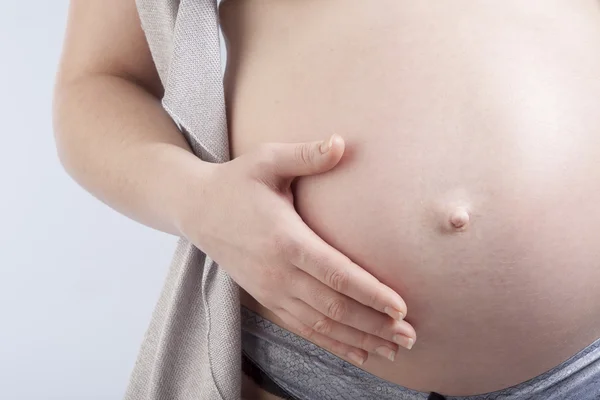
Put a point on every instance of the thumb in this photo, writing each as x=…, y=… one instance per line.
x=311, y=158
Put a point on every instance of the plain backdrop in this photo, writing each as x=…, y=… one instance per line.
x=78, y=282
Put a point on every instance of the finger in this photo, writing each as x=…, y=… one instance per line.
x=351, y=354
x=337, y=271
x=290, y=160
x=350, y=313
x=325, y=326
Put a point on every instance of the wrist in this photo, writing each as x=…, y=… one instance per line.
x=191, y=188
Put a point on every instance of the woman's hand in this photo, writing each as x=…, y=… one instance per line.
x=247, y=224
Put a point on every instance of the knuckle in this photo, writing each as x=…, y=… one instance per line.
x=295, y=252
x=337, y=309
x=304, y=153
x=278, y=240
x=266, y=155
x=306, y=331
x=381, y=330
x=337, y=279
x=288, y=245
x=364, y=341
x=266, y=302
x=373, y=299
x=283, y=243
x=267, y=150
x=269, y=279
x=323, y=326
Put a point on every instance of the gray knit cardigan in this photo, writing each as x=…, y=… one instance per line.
x=192, y=347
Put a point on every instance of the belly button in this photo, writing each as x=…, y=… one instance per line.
x=459, y=219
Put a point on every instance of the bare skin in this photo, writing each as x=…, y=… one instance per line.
x=489, y=233
x=115, y=139
x=470, y=178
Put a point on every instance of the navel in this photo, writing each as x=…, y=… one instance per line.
x=459, y=218
x=453, y=211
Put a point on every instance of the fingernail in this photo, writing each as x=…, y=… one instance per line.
x=356, y=358
x=386, y=352
x=404, y=341
x=327, y=145
x=392, y=312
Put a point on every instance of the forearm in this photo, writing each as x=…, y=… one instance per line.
x=115, y=140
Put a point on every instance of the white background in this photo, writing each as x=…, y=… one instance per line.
x=78, y=282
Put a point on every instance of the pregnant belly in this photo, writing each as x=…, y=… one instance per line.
x=492, y=113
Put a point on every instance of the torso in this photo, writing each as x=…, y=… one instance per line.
x=489, y=106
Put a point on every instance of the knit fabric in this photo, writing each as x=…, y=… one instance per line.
x=192, y=348
x=306, y=371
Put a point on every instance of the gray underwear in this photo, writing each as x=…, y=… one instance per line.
x=307, y=372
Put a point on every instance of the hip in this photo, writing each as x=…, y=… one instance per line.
x=292, y=368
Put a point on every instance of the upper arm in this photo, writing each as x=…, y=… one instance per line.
x=105, y=37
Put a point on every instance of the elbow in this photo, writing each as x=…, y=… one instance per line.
x=61, y=137
x=64, y=134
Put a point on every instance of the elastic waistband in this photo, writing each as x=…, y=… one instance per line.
x=308, y=372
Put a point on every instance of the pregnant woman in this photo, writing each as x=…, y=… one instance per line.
x=461, y=174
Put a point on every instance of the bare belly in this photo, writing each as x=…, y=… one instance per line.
x=490, y=107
